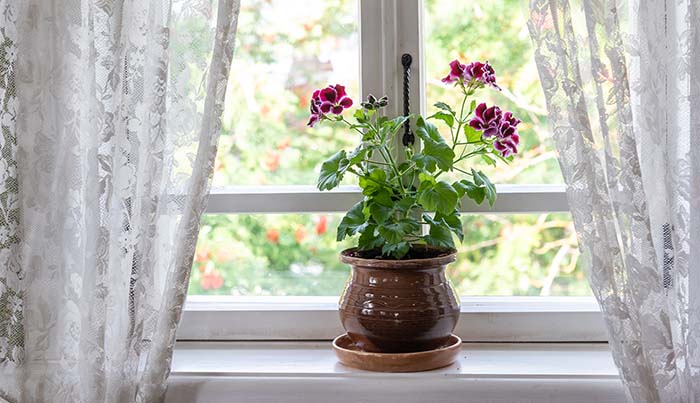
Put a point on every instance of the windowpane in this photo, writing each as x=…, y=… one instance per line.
x=495, y=31
x=285, y=49
x=296, y=254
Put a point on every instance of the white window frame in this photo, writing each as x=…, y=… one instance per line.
x=388, y=29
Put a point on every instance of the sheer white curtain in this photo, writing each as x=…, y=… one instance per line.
x=622, y=82
x=109, y=118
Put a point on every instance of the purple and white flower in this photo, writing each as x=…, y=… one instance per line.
x=474, y=72
x=502, y=126
x=332, y=99
x=487, y=120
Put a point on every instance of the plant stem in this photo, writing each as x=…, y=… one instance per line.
x=471, y=142
x=413, y=165
x=470, y=154
x=394, y=168
x=375, y=162
x=383, y=150
x=461, y=120
x=350, y=125
x=461, y=170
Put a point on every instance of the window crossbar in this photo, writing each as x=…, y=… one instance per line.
x=512, y=199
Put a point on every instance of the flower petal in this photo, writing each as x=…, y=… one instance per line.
x=328, y=94
x=449, y=79
x=456, y=68
x=340, y=91
x=313, y=120
x=346, y=102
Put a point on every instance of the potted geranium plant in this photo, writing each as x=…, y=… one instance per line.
x=398, y=298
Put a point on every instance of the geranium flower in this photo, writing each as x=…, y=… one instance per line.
x=503, y=126
x=507, y=139
x=300, y=234
x=202, y=255
x=272, y=161
x=284, y=143
x=486, y=119
x=322, y=225
x=212, y=279
x=224, y=254
x=273, y=235
x=512, y=120
x=316, y=113
x=332, y=99
x=507, y=145
x=479, y=72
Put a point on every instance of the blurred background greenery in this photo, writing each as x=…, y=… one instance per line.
x=286, y=49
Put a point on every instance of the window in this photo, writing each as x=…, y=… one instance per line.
x=267, y=259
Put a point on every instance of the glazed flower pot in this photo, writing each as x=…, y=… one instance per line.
x=399, y=306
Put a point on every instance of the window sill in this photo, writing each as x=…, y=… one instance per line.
x=308, y=372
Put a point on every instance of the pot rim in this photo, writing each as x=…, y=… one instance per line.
x=407, y=264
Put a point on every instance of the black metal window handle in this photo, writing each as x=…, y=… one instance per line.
x=406, y=60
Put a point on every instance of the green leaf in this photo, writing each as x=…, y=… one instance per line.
x=358, y=154
x=440, y=197
x=390, y=127
x=405, y=203
x=361, y=116
x=427, y=130
x=426, y=177
x=445, y=107
x=374, y=182
x=380, y=213
x=445, y=117
x=474, y=192
x=370, y=239
x=481, y=180
x=383, y=197
x=453, y=222
x=436, y=152
x=439, y=234
x=472, y=134
x=460, y=188
x=472, y=106
x=395, y=231
x=488, y=159
x=397, y=251
x=332, y=171
x=353, y=222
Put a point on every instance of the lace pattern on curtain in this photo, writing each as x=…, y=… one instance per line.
x=621, y=84
x=108, y=143
x=11, y=295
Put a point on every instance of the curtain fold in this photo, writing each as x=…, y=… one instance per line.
x=110, y=115
x=622, y=84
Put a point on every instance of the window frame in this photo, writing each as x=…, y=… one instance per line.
x=388, y=29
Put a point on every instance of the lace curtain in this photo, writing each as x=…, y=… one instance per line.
x=110, y=114
x=622, y=83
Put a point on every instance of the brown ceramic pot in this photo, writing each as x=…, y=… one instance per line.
x=399, y=306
